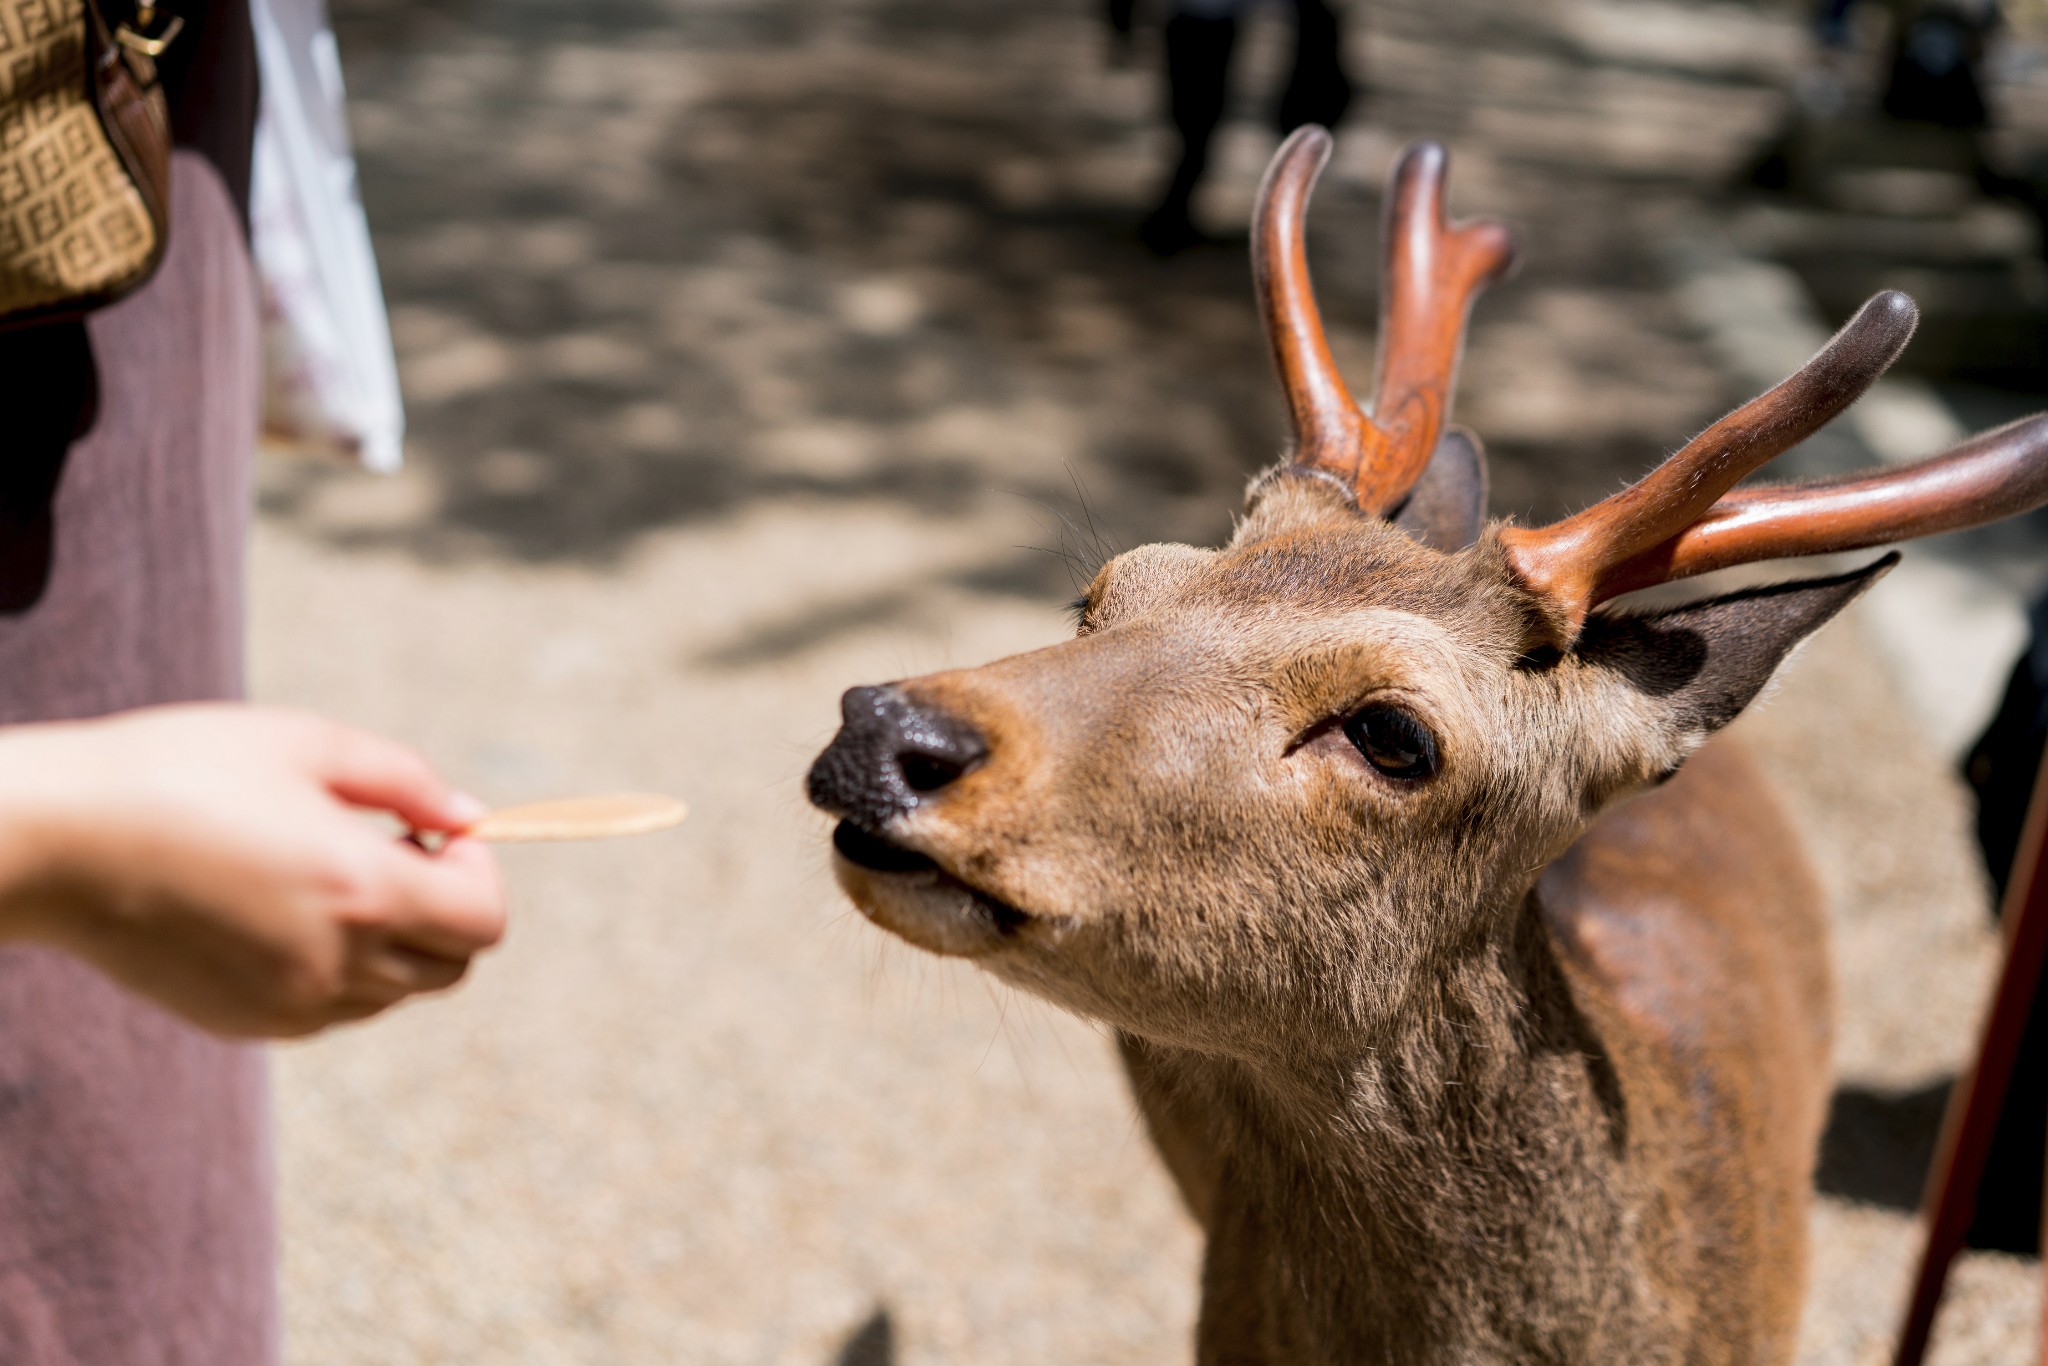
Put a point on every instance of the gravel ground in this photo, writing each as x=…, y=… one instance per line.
x=761, y=347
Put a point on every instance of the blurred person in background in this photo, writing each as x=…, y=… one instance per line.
x=205, y=858
x=1934, y=67
x=1198, y=39
x=2002, y=769
x=1930, y=72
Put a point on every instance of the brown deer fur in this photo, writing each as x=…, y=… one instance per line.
x=1524, y=1061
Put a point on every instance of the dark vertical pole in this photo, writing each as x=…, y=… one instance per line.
x=1973, y=1107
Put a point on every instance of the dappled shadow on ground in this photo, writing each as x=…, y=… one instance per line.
x=652, y=264
x=814, y=274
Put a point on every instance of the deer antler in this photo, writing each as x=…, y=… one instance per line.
x=1330, y=433
x=1628, y=540
x=1993, y=475
x=1434, y=271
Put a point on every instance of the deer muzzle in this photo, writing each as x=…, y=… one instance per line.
x=894, y=756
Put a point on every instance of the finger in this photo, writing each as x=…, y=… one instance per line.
x=285, y=1026
x=351, y=1009
x=451, y=902
x=369, y=770
x=304, y=1022
x=392, y=971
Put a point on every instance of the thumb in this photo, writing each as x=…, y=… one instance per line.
x=371, y=771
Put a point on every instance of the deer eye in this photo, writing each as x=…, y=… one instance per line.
x=1393, y=742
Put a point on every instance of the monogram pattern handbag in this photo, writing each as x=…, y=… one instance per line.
x=85, y=143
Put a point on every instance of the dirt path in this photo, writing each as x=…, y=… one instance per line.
x=762, y=347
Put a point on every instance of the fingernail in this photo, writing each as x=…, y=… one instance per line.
x=466, y=808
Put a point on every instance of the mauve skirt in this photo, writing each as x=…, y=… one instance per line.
x=136, y=1219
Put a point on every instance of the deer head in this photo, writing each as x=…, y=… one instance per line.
x=1275, y=796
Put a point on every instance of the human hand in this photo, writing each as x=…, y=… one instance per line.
x=212, y=858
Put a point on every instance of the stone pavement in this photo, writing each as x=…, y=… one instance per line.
x=756, y=348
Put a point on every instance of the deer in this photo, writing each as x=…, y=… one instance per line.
x=1472, y=985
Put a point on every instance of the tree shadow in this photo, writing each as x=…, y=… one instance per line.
x=812, y=287
x=898, y=270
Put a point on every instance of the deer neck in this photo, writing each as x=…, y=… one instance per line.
x=1417, y=1198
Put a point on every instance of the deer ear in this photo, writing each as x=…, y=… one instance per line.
x=1447, y=506
x=1702, y=663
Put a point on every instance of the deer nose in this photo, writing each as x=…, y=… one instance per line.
x=891, y=753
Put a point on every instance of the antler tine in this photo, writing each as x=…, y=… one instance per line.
x=1570, y=563
x=1434, y=271
x=1996, y=474
x=1330, y=433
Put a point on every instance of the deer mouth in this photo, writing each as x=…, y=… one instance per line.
x=878, y=853
x=912, y=895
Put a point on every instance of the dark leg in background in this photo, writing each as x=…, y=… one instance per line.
x=1122, y=18
x=1318, y=90
x=1936, y=69
x=1197, y=86
x=1831, y=22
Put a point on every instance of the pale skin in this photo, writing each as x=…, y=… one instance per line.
x=215, y=859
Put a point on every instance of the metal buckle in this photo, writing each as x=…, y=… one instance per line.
x=143, y=43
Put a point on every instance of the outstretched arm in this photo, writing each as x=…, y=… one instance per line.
x=213, y=859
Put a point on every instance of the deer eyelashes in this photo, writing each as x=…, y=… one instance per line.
x=1383, y=734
